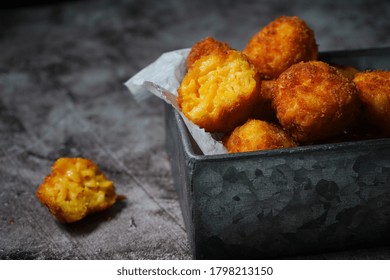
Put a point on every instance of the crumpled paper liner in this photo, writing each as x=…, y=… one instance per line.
x=162, y=78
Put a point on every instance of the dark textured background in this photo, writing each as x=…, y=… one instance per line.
x=62, y=69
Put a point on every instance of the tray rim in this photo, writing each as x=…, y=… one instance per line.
x=355, y=52
x=276, y=152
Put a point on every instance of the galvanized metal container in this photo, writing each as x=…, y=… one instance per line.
x=280, y=203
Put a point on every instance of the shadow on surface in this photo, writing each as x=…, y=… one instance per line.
x=93, y=221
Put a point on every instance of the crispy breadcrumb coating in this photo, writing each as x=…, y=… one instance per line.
x=263, y=109
x=374, y=91
x=219, y=91
x=347, y=71
x=205, y=47
x=314, y=101
x=76, y=188
x=257, y=135
x=280, y=44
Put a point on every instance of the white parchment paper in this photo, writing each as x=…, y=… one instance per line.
x=162, y=78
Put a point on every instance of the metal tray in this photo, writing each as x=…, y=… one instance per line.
x=281, y=203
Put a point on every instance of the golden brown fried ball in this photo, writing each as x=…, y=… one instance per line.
x=266, y=91
x=282, y=43
x=348, y=71
x=263, y=109
x=374, y=91
x=219, y=91
x=314, y=101
x=76, y=188
x=257, y=135
x=205, y=47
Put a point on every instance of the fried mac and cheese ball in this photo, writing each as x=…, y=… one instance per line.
x=219, y=91
x=257, y=135
x=263, y=109
x=348, y=71
x=280, y=44
x=205, y=47
x=314, y=101
x=76, y=188
x=374, y=91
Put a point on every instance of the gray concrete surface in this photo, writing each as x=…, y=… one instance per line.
x=62, y=69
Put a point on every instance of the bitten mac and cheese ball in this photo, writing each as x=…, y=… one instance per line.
x=314, y=101
x=280, y=44
x=257, y=135
x=219, y=91
x=76, y=188
x=374, y=91
x=205, y=47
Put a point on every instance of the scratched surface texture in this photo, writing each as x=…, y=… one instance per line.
x=62, y=69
